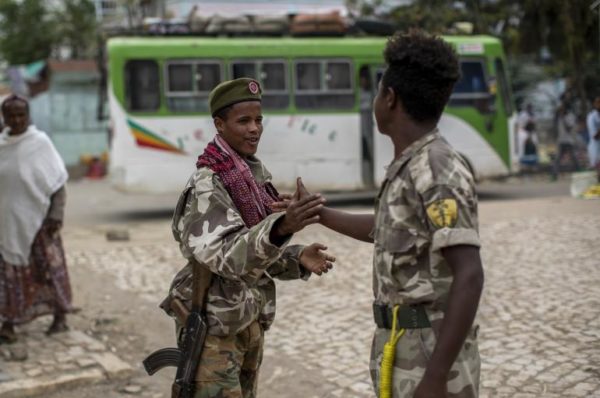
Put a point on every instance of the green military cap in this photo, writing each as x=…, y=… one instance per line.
x=233, y=91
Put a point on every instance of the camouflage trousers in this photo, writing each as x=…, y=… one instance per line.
x=229, y=365
x=412, y=354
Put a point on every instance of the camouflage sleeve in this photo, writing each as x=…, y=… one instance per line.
x=451, y=214
x=288, y=266
x=213, y=232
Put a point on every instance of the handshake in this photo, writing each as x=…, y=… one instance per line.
x=302, y=209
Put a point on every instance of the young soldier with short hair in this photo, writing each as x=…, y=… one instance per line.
x=227, y=220
x=427, y=268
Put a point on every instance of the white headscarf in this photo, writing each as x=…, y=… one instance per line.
x=31, y=170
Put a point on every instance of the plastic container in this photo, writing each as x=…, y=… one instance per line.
x=581, y=181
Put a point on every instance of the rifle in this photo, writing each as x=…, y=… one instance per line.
x=187, y=357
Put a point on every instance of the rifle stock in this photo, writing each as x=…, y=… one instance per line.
x=188, y=356
x=161, y=359
x=185, y=359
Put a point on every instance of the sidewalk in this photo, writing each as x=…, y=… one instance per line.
x=41, y=364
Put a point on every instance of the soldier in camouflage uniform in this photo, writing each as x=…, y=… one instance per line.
x=426, y=257
x=225, y=221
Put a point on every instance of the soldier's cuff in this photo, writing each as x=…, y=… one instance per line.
x=271, y=250
x=447, y=237
x=288, y=267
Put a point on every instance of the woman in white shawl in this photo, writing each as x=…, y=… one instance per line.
x=33, y=274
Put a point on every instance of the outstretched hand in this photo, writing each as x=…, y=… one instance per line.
x=285, y=198
x=300, y=211
x=301, y=189
x=282, y=204
x=315, y=260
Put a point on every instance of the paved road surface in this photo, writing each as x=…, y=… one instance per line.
x=539, y=317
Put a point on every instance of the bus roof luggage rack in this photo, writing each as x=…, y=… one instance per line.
x=330, y=24
x=271, y=25
x=240, y=25
x=247, y=25
x=159, y=27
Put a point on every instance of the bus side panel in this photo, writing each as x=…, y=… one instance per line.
x=464, y=139
x=158, y=154
x=468, y=142
x=322, y=149
x=155, y=154
x=384, y=154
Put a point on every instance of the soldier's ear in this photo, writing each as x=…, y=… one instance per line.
x=390, y=98
x=219, y=124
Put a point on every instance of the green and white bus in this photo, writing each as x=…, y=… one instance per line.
x=313, y=89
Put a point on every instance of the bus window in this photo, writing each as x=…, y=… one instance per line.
x=308, y=76
x=189, y=83
x=272, y=78
x=244, y=69
x=338, y=76
x=378, y=72
x=472, y=88
x=504, y=88
x=142, y=85
x=181, y=78
x=324, y=84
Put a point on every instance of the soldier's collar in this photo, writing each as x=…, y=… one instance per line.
x=409, y=152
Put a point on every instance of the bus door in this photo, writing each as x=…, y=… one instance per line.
x=373, y=144
x=383, y=150
x=366, y=93
x=473, y=91
x=471, y=122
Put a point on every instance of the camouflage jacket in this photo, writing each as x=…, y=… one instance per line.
x=211, y=231
x=427, y=202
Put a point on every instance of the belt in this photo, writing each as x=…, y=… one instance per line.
x=409, y=317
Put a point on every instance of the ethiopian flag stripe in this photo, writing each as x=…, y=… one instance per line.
x=146, y=138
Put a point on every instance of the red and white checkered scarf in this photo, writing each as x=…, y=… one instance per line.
x=251, y=199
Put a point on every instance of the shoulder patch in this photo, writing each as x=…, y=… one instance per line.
x=443, y=213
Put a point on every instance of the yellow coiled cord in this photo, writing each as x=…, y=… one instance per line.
x=387, y=362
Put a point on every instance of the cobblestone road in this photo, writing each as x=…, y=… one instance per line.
x=38, y=363
x=540, y=314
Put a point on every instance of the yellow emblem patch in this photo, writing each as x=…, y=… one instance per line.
x=443, y=213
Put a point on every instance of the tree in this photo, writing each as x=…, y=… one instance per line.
x=568, y=31
x=560, y=35
x=77, y=28
x=434, y=16
x=28, y=31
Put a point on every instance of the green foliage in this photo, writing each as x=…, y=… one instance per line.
x=434, y=16
x=28, y=31
x=32, y=31
x=77, y=28
x=559, y=35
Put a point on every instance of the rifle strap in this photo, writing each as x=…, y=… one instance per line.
x=201, y=279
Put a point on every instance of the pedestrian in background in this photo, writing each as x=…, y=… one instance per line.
x=566, y=140
x=529, y=158
x=427, y=272
x=527, y=138
x=231, y=221
x=33, y=273
x=593, y=127
x=526, y=116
